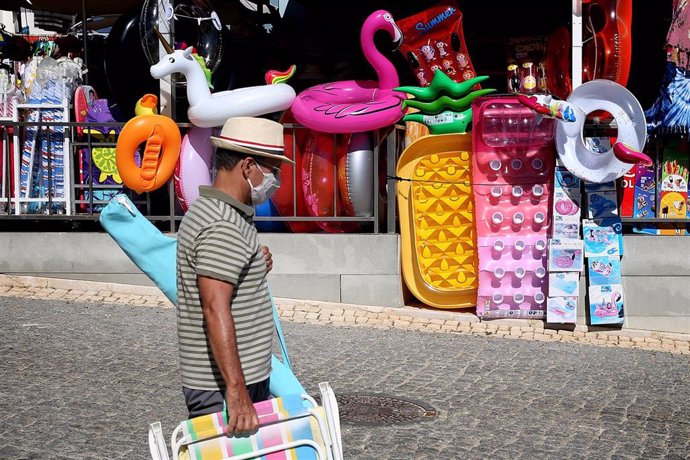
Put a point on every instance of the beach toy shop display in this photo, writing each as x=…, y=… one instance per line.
x=509, y=193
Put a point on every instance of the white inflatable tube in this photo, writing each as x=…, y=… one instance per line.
x=243, y=102
x=570, y=144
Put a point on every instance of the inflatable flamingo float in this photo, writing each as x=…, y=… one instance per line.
x=208, y=110
x=356, y=105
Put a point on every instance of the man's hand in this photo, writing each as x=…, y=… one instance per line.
x=268, y=257
x=242, y=418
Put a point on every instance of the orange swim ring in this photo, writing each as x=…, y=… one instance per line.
x=159, y=157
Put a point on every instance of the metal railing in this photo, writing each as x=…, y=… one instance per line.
x=85, y=198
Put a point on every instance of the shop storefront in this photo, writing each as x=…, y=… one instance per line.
x=450, y=179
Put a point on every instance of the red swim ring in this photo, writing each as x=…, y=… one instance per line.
x=607, y=55
x=607, y=48
x=319, y=184
x=283, y=199
x=557, y=65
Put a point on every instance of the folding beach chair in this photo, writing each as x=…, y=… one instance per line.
x=291, y=427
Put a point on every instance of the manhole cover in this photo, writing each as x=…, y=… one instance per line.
x=362, y=409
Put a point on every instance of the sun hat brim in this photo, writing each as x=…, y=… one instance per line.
x=277, y=153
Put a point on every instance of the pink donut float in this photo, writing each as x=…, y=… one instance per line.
x=356, y=105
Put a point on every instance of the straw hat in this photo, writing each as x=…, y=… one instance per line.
x=253, y=136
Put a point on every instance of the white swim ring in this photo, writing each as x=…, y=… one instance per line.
x=624, y=107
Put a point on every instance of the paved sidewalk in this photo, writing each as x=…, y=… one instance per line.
x=83, y=381
x=315, y=312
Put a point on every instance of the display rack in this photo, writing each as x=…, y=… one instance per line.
x=22, y=198
x=5, y=184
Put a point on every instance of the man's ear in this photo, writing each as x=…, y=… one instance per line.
x=246, y=165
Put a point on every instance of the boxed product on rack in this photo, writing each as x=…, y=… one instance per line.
x=601, y=237
x=604, y=270
x=603, y=187
x=566, y=180
x=565, y=255
x=645, y=192
x=561, y=310
x=565, y=228
x=606, y=304
x=566, y=205
x=602, y=203
x=627, y=186
x=673, y=188
x=564, y=284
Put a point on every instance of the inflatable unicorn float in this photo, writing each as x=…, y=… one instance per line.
x=209, y=110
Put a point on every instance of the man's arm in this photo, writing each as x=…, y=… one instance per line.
x=216, y=296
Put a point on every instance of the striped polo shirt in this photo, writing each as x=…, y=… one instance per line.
x=217, y=238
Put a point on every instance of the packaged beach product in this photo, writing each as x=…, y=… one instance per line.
x=434, y=39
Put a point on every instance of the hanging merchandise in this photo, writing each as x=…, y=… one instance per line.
x=607, y=40
x=44, y=160
x=627, y=201
x=196, y=25
x=673, y=185
x=126, y=66
x=557, y=63
x=13, y=47
x=512, y=184
x=606, y=49
x=194, y=167
x=99, y=166
x=10, y=95
x=208, y=110
x=356, y=177
x=159, y=156
x=4, y=40
x=445, y=106
x=434, y=39
x=355, y=106
x=83, y=99
x=602, y=165
x=287, y=200
x=671, y=111
x=322, y=154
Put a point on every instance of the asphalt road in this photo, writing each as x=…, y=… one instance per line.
x=82, y=381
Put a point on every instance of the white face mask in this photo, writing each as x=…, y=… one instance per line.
x=265, y=189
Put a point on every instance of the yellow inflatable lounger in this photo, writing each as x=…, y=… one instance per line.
x=437, y=228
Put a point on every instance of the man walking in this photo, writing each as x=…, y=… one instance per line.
x=224, y=315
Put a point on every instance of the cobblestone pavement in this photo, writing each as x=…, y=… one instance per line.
x=83, y=380
x=406, y=318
